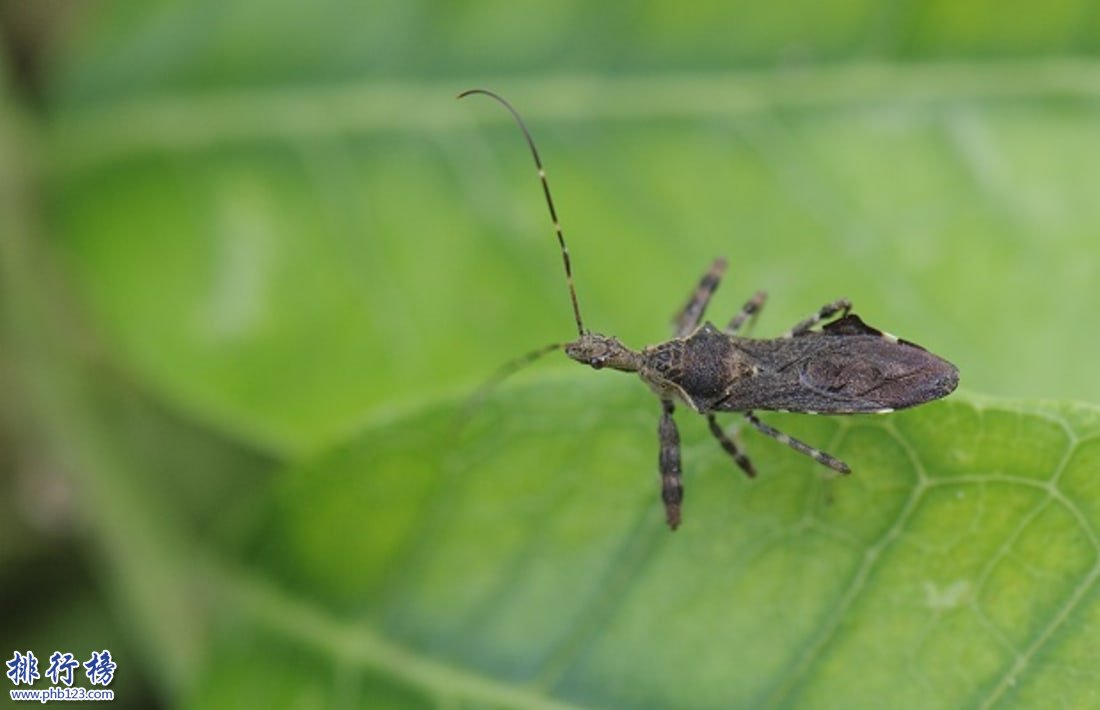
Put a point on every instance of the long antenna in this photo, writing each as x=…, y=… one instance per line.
x=549, y=200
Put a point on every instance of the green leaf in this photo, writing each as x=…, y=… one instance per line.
x=284, y=264
x=523, y=560
x=271, y=225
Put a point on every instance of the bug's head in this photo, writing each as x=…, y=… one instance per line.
x=600, y=351
x=596, y=351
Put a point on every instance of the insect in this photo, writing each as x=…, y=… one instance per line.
x=845, y=367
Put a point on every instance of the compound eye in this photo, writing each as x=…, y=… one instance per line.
x=596, y=363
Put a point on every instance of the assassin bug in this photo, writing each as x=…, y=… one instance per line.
x=846, y=367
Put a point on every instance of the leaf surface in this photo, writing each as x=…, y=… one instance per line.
x=251, y=254
x=524, y=561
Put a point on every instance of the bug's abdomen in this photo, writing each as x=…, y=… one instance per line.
x=839, y=375
x=881, y=374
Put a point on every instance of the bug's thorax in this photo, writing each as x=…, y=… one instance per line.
x=698, y=369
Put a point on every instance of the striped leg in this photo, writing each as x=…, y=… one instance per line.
x=691, y=315
x=819, y=456
x=751, y=309
x=841, y=306
x=731, y=448
x=672, y=488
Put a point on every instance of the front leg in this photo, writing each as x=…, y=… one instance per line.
x=672, y=488
x=689, y=317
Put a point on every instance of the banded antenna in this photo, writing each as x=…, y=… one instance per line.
x=549, y=201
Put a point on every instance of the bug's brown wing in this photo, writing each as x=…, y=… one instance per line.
x=846, y=368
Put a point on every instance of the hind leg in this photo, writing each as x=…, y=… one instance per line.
x=841, y=306
x=820, y=456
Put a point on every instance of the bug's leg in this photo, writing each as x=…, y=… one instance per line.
x=751, y=309
x=819, y=456
x=841, y=306
x=672, y=489
x=691, y=314
x=731, y=448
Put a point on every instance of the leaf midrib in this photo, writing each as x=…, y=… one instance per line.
x=83, y=136
x=296, y=619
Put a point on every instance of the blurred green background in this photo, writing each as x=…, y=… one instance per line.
x=252, y=253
